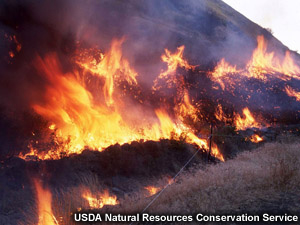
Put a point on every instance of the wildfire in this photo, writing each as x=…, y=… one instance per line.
x=72, y=110
x=247, y=121
x=262, y=65
x=173, y=62
x=186, y=109
x=78, y=120
x=256, y=138
x=222, y=73
x=289, y=68
x=32, y=152
x=44, y=200
x=220, y=115
x=216, y=153
x=176, y=130
x=292, y=93
x=152, y=190
x=101, y=200
x=112, y=67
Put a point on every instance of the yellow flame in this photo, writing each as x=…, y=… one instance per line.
x=173, y=61
x=101, y=200
x=256, y=138
x=222, y=73
x=185, y=108
x=44, y=199
x=292, y=93
x=78, y=120
x=152, y=190
x=247, y=121
x=113, y=66
x=262, y=65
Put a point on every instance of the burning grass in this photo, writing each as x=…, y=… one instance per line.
x=81, y=115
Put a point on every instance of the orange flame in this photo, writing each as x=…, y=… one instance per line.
x=11, y=54
x=18, y=45
x=173, y=61
x=263, y=63
x=78, y=120
x=216, y=153
x=185, y=108
x=222, y=73
x=44, y=199
x=256, y=138
x=292, y=93
x=220, y=115
x=112, y=67
x=247, y=122
x=152, y=190
x=101, y=200
x=33, y=152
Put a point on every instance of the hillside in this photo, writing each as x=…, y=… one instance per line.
x=257, y=182
x=103, y=102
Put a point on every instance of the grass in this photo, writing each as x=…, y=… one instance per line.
x=266, y=179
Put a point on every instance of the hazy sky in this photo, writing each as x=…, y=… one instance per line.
x=282, y=16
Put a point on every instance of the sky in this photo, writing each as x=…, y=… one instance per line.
x=282, y=16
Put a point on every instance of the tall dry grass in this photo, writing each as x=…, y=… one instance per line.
x=264, y=180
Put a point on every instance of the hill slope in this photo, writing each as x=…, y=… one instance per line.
x=262, y=181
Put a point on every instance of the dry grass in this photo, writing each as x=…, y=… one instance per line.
x=264, y=180
x=267, y=179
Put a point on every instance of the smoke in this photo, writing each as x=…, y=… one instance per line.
x=148, y=26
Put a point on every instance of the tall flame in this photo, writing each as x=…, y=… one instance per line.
x=185, y=108
x=112, y=67
x=264, y=63
x=262, y=66
x=247, y=121
x=78, y=120
x=44, y=199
